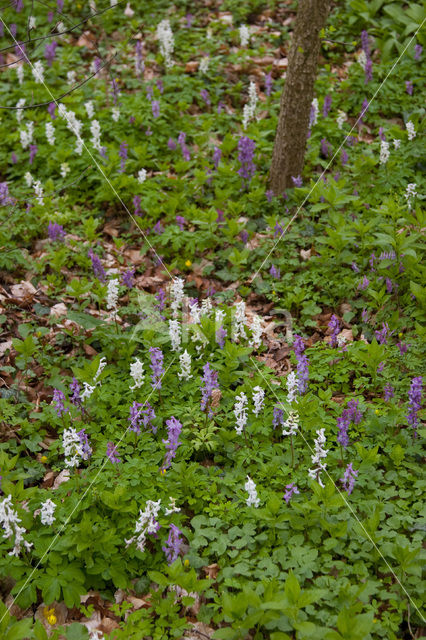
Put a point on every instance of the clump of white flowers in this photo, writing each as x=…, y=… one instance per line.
x=410, y=193
x=19, y=110
x=172, y=508
x=239, y=321
x=165, y=37
x=147, y=524
x=396, y=143
x=115, y=114
x=252, y=499
x=291, y=424
x=206, y=306
x=185, y=366
x=112, y=295
x=194, y=312
x=73, y=124
x=320, y=454
x=73, y=450
x=90, y=110
x=341, y=118
x=240, y=412
x=71, y=77
x=362, y=59
x=9, y=520
x=95, y=130
x=410, y=130
x=257, y=330
x=250, y=107
x=137, y=373
x=46, y=512
x=175, y=334
x=65, y=169
x=314, y=112
x=292, y=387
x=87, y=391
x=176, y=292
x=38, y=72
x=258, y=399
x=28, y=179
x=101, y=366
x=20, y=73
x=50, y=133
x=38, y=190
x=244, y=35
x=204, y=64
x=384, y=152
x=27, y=135
x=141, y=176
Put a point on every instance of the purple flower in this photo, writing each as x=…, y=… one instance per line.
x=349, y=415
x=139, y=64
x=85, y=445
x=221, y=334
x=278, y=230
x=363, y=283
x=268, y=84
x=97, y=64
x=269, y=195
x=20, y=51
x=297, y=181
x=334, y=326
x=278, y=417
x=380, y=367
x=368, y=70
x=135, y=418
x=189, y=20
x=220, y=216
x=149, y=92
x=217, y=153
x=14, y=158
x=171, y=144
x=137, y=205
x=244, y=236
x=355, y=267
x=58, y=400
x=180, y=221
x=383, y=335
x=302, y=365
x=4, y=194
x=205, y=96
x=33, y=152
x=275, y=272
x=124, y=147
x=210, y=382
x=414, y=402
x=349, y=478
x=185, y=151
x=13, y=29
x=55, y=231
x=156, y=356
x=155, y=107
x=291, y=490
x=115, y=90
x=50, y=16
x=365, y=315
x=418, y=51
x=50, y=52
x=173, y=544
x=174, y=428
x=389, y=285
x=403, y=347
x=388, y=392
x=327, y=105
x=158, y=228
x=220, y=106
x=112, y=453
x=161, y=297
x=60, y=5
x=325, y=148
x=246, y=147
x=18, y=5
x=160, y=85
x=128, y=278
x=364, y=109
x=409, y=87
x=75, y=389
x=365, y=43
x=98, y=269
x=382, y=133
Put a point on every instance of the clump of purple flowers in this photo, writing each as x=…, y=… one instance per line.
x=291, y=490
x=98, y=269
x=123, y=155
x=349, y=478
x=55, y=231
x=75, y=389
x=156, y=356
x=185, y=151
x=349, y=415
x=414, y=403
x=327, y=105
x=205, y=96
x=302, y=365
x=246, y=147
x=141, y=414
x=388, y=392
x=180, y=221
x=268, y=84
x=112, y=453
x=334, y=326
x=278, y=417
x=209, y=383
x=368, y=70
x=217, y=153
x=221, y=334
x=383, y=334
x=174, y=428
x=58, y=401
x=85, y=446
x=33, y=152
x=155, y=108
x=173, y=544
x=128, y=278
x=297, y=181
x=275, y=272
x=50, y=52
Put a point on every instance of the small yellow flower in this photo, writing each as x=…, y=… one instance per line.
x=52, y=619
x=377, y=412
x=43, y=459
x=50, y=616
x=163, y=472
x=274, y=293
x=188, y=263
x=186, y=563
x=400, y=335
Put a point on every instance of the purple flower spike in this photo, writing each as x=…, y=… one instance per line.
x=55, y=231
x=85, y=445
x=221, y=334
x=180, y=221
x=291, y=490
x=278, y=417
x=275, y=272
x=418, y=51
x=205, y=96
x=50, y=52
x=156, y=356
x=388, y=392
x=155, y=107
x=349, y=478
x=137, y=205
x=174, y=428
x=246, y=147
x=302, y=365
x=297, y=181
x=75, y=389
x=33, y=152
x=171, y=144
x=173, y=545
x=414, y=403
x=217, y=153
x=349, y=415
x=58, y=401
x=268, y=84
x=209, y=384
x=98, y=269
x=327, y=105
x=124, y=147
x=128, y=278
x=112, y=453
x=383, y=335
x=409, y=87
x=334, y=326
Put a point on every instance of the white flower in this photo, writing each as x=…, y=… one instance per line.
x=165, y=36
x=240, y=412
x=28, y=179
x=46, y=512
x=209, y=33
x=250, y=487
x=137, y=373
x=291, y=424
x=244, y=35
x=65, y=169
x=250, y=107
x=176, y=292
x=206, y=306
x=60, y=27
x=113, y=2
x=341, y=340
x=27, y=135
x=319, y=454
x=19, y=111
x=410, y=130
x=92, y=6
x=38, y=190
x=71, y=77
x=185, y=366
x=362, y=59
x=9, y=520
x=128, y=11
x=20, y=73
x=115, y=111
x=90, y=110
x=72, y=447
x=384, y=152
x=88, y=390
x=175, y=334
x=239, y=321
x=292, y=386
x=410, y=193
x=141, y=176
x=204, y=64
x=314, y=112
x=112, y=294
x=147, y=523
x=257, y=330
x=341, y=118
x=172, y=508
x=50, y=133
x=38, y=72
x=101, y=366
x=95, y=130
x=194, y=312
x=396, y=143
x=258, y=399
x=31, y=22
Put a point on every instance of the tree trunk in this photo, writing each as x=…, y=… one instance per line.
x=296, y=98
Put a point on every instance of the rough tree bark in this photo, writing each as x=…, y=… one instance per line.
x=297, y=95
